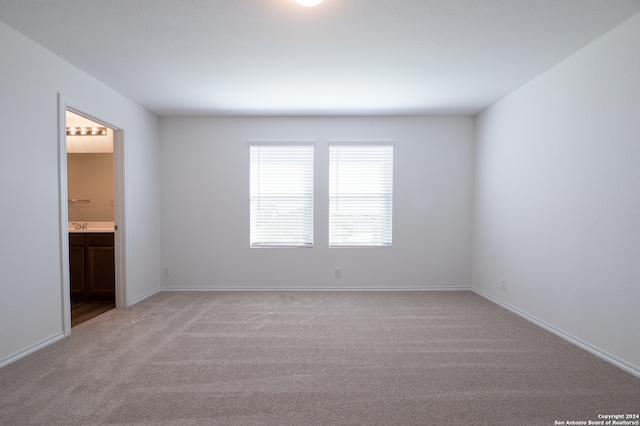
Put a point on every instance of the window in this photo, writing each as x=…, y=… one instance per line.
x=360, y=194
x=281, y=192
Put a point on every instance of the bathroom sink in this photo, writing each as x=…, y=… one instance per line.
x=92, y=227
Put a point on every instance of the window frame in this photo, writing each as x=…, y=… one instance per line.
x=387, y=235
x=310, y=197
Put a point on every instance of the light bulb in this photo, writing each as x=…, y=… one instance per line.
x=309, y=3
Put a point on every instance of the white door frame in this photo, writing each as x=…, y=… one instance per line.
x=119, y=212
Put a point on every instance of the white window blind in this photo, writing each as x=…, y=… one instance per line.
x=360, y=194
x=281, y=194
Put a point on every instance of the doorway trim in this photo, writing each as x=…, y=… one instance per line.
x=119, y=170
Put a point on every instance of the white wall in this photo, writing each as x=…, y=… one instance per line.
x=205, y=163
x=31, y=313
x=557, y=198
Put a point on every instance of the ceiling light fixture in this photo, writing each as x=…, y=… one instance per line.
x=86, y=131
x=309, y=3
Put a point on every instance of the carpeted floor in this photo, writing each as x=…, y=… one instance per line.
x=312, y=358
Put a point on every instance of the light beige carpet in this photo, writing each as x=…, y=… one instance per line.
x=305, y=358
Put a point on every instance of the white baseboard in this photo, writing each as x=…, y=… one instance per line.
x=319, y=289
x=144, y=296
x=566, y=336
x=31, y=349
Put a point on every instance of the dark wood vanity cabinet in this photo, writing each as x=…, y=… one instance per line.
x=76, y=263
x=92, y=265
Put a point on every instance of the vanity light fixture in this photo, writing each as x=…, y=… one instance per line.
x=86, y=131
x=309, y=3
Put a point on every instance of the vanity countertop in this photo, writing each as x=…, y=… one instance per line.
x=92, y=227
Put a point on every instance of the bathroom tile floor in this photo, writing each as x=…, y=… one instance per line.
x=84, y=310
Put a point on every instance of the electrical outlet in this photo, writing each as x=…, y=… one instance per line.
x=503, y=284
x=338, y=272
x=165, y=272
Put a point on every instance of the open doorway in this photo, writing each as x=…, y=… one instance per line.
x=91, y=183
x=91, y=217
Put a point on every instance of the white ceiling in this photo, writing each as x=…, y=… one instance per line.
x=230, y=57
